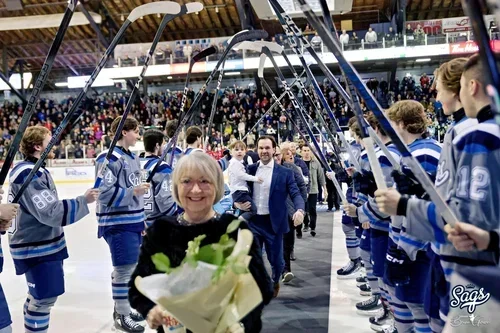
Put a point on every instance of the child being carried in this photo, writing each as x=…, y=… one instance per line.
x=238, y=179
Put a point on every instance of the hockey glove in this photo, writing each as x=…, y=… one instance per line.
x=342, y=176
x=397, y=269
x=364, y=182
x=406, y=182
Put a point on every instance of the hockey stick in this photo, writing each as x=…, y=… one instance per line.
x=238, y=38
x=202, y=55
x=373, y=105
x=166, y=19
x=160, y=7
x=169, y=8
x=267, y=54
x=474, y=9
x=354, y=102
x=214, y=107
x=275, y=104
x=293, y=32
x=276, y=48
x=37, y=89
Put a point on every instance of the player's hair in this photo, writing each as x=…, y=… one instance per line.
x=354, y=127
x=238, y=144
x=193, y=133
x=202, y=163
x=449, y=73
x=267, y=137
x=411, y=114
x=474, y=68
x=33, y=136
x=131, y=124
x=151, y=138
x=352, y=120
x=374, y=123
x=171, y=127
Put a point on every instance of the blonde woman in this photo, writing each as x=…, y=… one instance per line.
x=198, y=184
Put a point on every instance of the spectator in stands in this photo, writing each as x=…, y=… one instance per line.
x=390, y=38
x=188, y=50
x=409, y=30
x=371, y=39
x=354, y=41
x=344, y=39
x=419, y=34
x=78, y=151
x=316, y=42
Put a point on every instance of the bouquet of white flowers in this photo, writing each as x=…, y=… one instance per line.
x=212, y=289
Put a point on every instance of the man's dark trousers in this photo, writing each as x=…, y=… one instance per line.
x=264, y=235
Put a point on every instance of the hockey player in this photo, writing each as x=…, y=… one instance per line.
x=7, y=212
x=170, y=128
x=379, y=229
x=120, y=217
x=465, y=179
x=36, y=237
x=158, y=200
x=407, y=263
x=193, y=141
x=350, y=270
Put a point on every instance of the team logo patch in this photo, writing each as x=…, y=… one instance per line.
x=442, y=174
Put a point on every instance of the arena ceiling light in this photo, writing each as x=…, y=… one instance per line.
x=423, y=60
x=15, y=80
x=44, y=21
x=61, y=84
x=232, y=73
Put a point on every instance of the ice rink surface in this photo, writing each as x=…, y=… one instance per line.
x=87, y=307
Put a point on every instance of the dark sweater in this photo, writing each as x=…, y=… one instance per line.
x=166, y=235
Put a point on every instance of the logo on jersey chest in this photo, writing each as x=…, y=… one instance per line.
x=442, y=175
x=134, y=179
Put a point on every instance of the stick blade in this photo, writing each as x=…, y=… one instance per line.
x=205, y=53
x=161, y=7
x=194, y=7
x=262, y=62
x=248, y=35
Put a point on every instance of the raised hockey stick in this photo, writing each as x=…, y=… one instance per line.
x=197, y=57
x=294, y=33
x=214, y=107
x=202, y=55
x=257, y=46
x=474, y=9
x=238, y=38
x=169, y=8
x=133, y=95
x=321, y=157
x=373, y=105
x=29, y=109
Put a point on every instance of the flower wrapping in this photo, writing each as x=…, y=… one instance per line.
x=204, y=304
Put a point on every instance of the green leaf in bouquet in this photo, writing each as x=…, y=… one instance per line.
x=218, y=258
x=194, y=245
x=233, y=226
x=162, y=262
x=206, y=253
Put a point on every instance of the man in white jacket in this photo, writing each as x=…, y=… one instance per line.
x=371, y=39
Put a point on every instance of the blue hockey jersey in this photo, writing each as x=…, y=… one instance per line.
x=117, y=206
x=36, y=234
x=158, y=201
